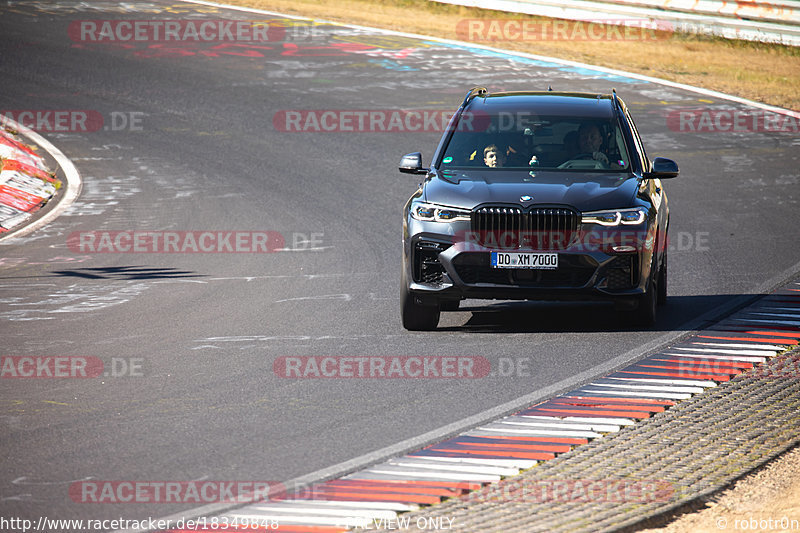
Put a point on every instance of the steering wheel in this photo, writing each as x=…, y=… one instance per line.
x=598, y=164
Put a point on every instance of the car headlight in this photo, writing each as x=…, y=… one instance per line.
x=438, y=213
x=615, y=217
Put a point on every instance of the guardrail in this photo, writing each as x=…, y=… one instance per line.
x=775, y=21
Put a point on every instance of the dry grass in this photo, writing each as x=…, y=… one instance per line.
x=761, y=72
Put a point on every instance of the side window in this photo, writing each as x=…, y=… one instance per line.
x=638, y=141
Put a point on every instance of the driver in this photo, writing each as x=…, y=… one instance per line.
x=589, y=142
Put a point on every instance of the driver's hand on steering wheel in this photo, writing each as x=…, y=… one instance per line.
x=600, y=156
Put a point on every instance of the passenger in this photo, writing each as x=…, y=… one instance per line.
x=493, y=157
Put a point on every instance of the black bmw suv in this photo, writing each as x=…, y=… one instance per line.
x=536, y=196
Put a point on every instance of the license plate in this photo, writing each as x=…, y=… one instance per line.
x=536, y=260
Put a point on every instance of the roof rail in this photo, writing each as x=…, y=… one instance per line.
x=475, y=91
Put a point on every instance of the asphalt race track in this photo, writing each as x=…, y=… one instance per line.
x=193, y=140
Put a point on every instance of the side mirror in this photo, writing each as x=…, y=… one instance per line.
x=412, y=164
x=663, y=168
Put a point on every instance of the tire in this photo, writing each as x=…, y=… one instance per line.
x=645, y=312
x=417, y=317
x=662, y=281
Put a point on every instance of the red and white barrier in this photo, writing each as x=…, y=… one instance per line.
x=26, y=183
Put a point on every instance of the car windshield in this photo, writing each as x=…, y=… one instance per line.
x=523, y=140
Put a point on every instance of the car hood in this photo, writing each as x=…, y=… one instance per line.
x=583, y=191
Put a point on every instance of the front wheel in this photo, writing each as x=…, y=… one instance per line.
x=417, y=317
x=662, y=281
x=645, y=311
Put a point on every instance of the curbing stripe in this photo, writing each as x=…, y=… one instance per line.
x=649, y=383
x=455, y=457
x=558, y=440
x=71, y=174
x=642, y=401
x=641, y=394
x=343, y=522
x=540, y=432
x=578, y=427
x=326, y=511
x=361, y=504
x=759, y=353
x=494, y=446
x=443, y=466
x=782, y=315
x=732, y=345
x=781, y=322
x=746, y=358
x=408, y=473
x=750, y=339
x=716, y=363
x=687, y=375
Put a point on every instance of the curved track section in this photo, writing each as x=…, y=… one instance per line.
x=192, y=141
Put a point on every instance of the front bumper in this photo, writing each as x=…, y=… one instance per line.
x=440, y=270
